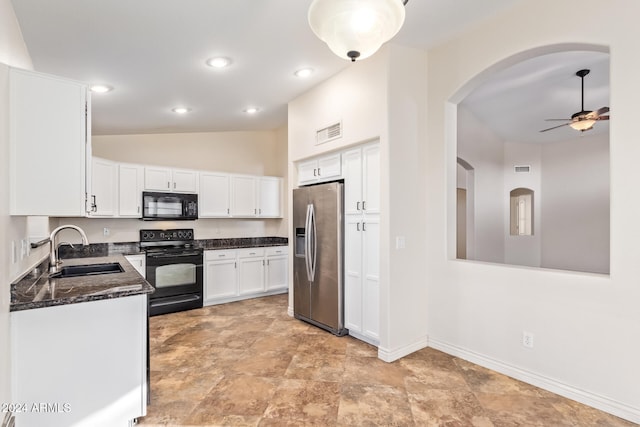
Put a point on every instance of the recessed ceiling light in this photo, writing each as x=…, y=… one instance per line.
x=304, y=72
x=218, y=62
x=181, y=110
x=251, y=110
x=101, y=88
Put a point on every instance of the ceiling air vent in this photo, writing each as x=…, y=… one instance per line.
x=329, y=133
x=522, y=169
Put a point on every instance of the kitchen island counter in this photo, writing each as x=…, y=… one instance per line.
x=37, y=289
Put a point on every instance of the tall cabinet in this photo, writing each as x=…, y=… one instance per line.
x=361, y=172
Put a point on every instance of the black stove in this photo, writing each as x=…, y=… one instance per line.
x=174, y=268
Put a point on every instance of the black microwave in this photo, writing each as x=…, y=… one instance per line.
x=169, y=206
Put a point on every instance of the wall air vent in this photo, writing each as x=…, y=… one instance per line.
x=329, y=133
x=522, y=169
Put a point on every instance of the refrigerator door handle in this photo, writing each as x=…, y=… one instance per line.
x=307, y=242
x=312, y=223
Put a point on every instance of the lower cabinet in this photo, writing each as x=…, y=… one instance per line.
x=232, y=275
x=82, y=364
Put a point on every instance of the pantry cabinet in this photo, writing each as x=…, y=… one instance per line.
x=232, y=275
x=361, y=169
x=49, y=145
x=320, y=169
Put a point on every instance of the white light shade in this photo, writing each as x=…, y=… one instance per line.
x=585, y=124
x=360, y=26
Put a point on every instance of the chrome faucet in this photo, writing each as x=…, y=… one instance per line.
x=54, y=261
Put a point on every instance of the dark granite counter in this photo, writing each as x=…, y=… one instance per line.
x=37, y=289
x=239, y=243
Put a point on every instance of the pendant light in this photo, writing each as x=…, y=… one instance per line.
x=355, y=29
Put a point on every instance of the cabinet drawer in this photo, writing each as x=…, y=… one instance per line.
x=214, y=255
x=277, y=250
x=250, y=252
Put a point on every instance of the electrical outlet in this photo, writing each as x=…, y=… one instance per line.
x=527, y=339
x=23, y=248
x=106, y=232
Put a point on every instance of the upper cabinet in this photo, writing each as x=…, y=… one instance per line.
x=166, y=179
x=270, y=197
x=104, y=191
x=214, y=198
x=256, y=196
x=320, y=169
x=50, y=149
x=361, y=168
x=243, y=196
x=130, y=185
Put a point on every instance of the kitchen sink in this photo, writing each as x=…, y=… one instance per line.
x=88, y=270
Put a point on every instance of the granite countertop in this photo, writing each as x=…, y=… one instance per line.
x=37, y=289
x=242, y=242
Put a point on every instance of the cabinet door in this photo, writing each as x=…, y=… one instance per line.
x=371, y=178
x=371, y=276
x=213, y=198
x=353, y=273
x=250, y=275
x=352, y=168
x=276, y=273
x=130, y=184
x=243, y=196
x=307, y=172
x=329, y=167
x=103, y=188
x=184, y=181
x=157, y=179
x=49, y=138
x=220, y=279
x=270, y=193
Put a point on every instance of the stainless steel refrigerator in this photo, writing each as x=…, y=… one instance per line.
x=318, y=290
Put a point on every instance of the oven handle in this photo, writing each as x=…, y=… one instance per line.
x=174, y=301
x=173, y=255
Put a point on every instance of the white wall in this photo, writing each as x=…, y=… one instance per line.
x=584, y=325
x=13, y=52
x=484, y=151
x=523, y=250
x=575, y=215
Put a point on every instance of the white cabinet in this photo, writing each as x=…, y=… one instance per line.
x=139, y=262
x=251, y=271
x=60, y=353
x=269, y=197
x=104, y=191
x=253, y=196
x=361, y=167
x=232, y=275
x=276, y=270
x=130, y=184
x=325, y=168
x=214, y=195
x=49, y=145
x=243, y=196
x=220, y=275
x=166, y=179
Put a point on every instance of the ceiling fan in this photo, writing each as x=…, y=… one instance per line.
x=582, y=120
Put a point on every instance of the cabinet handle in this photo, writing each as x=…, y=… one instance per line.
x=314, y=172
x=260, y=211
x=94, y=205
x=319, y=174
x=364, y=206
x=278, y=252
x=168, y=185
x=255, y=211
x=263, y=263
x=227, y=211
x=220, y=256
x=267, y=262
x=174, y=185
x=364, y=226
x=235, y=265
x=138, y=209
x=358, y=226
x=357, y=205
x=252, y=253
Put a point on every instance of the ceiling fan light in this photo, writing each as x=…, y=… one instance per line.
x=582, y=125
x=356, y=28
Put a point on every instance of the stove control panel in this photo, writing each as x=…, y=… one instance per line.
x=179, y=234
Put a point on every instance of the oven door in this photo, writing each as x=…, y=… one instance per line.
x=177, y=279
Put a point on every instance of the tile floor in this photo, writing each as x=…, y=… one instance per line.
x=249, y=364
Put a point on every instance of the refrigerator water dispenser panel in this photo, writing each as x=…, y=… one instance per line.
x=299, y=249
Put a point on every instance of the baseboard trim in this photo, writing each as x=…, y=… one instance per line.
x=602, y=403
x=389, y=355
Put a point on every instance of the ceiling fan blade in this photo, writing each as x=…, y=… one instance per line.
x=555, y=127
x=602, y=111
x=603, y=118
x=557, y=120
